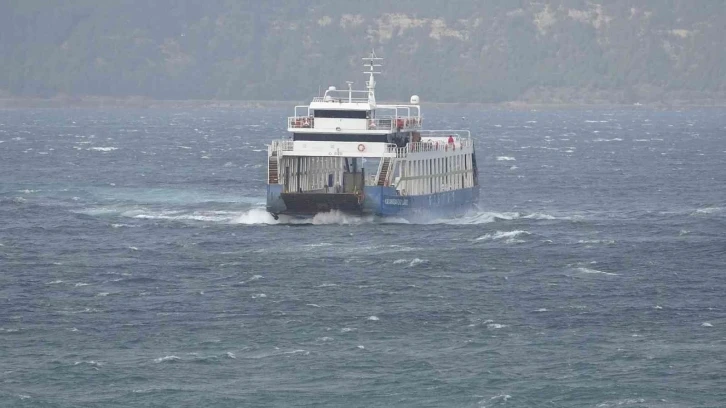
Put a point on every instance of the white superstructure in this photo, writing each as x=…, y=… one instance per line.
x=352, y=110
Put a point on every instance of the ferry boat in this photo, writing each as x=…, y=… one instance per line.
x=345, y=152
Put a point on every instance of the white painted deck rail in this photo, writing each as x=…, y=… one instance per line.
x=387, y=123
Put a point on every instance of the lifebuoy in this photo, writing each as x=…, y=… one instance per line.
x=361, y=147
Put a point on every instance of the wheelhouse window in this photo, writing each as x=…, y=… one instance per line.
x=340, y=114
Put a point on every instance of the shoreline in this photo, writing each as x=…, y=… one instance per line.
x=100, y=102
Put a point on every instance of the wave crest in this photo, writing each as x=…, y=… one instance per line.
x=509, y=237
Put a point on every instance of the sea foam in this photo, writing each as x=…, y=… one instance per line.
x=417, y=261
x=170, y=358
x=103, y=149
x=510, y=237
x=594, y=271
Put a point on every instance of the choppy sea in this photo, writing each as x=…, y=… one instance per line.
x=138, y=268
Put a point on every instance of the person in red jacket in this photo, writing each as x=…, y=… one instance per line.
x=451, y=139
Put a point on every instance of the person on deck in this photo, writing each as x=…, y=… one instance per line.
x=451, y=139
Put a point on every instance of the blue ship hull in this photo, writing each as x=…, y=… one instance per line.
x=385, y=202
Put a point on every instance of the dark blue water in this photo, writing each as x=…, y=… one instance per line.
x=138, y=269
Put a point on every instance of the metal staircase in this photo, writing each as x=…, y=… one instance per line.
x=385, y=168
x=272, y=174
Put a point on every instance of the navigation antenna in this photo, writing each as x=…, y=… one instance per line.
x=350, y=91
x=371, y=66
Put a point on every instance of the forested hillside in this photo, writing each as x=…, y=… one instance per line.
x=551, y=51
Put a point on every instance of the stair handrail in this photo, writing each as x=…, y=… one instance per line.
x=380, y=169
x=387, y=175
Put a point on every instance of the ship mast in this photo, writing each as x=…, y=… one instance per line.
x=371, y=65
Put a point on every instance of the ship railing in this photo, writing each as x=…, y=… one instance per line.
x=387, y=123
x=300, y=122
x=380, y=124
x=287, y=145
x=428, y=146
x=438, y=146
x=340, y=99
x=409, y=122
x=392, y=149
x=395, y=122
x=349, y=95
x=281, y=145
x=405, y=111
x=456, y=134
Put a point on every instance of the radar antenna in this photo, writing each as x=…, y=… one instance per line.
x=371, y=66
